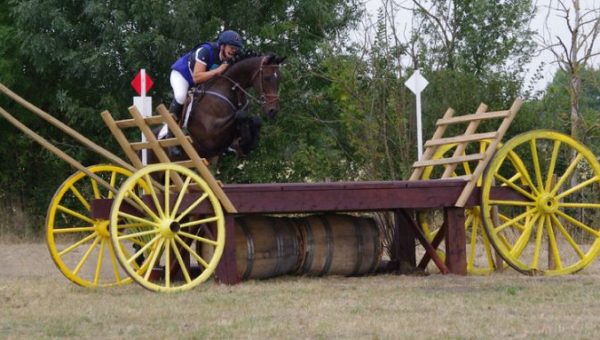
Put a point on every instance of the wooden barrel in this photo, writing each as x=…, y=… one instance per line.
x=266, y=246
x=336, y=244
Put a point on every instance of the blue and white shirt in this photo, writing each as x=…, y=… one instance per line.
x=205, y=53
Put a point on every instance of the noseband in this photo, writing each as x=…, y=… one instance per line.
x=265, y=99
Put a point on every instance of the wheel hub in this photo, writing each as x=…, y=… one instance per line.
x=169, y=227
x=101, y=227
x=547, y=203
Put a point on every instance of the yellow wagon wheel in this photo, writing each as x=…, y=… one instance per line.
x=549, y=217
x=172, y=259
x=78, y=243
x=480, y=256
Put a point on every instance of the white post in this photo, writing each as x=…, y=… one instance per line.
x=144, y=105
x=419, y=127
x=417, y=83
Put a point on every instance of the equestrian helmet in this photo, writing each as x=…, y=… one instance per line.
x=230, y=38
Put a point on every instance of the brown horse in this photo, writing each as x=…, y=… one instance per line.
x=218, y=117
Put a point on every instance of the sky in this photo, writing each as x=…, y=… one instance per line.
x=556, y=27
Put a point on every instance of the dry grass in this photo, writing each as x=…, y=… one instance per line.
x=38, y=302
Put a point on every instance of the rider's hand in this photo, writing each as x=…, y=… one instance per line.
x=222, y=68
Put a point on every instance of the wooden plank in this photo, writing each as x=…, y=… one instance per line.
x=405, y=244
x=472, y=117
x=453, y=160
x=164, y=143
x=159, y=152
x=460, y=148
x=462, y=139
x=122, y=140
x=491, y=150
x=439, y=132
x=456, y=254
x=58, y=152
x=200, y=166
x=129, y=123
x=65, y=128
x=226, y=271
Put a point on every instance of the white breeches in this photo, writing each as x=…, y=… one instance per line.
x=180, y=86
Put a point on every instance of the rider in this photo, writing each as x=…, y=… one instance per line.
x=202, y=63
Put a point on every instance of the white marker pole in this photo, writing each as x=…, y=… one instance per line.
x=417, y=83
x=144, y=105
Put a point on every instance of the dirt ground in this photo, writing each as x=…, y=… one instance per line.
x=26, y=260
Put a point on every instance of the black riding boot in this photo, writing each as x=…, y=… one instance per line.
x=175, y=109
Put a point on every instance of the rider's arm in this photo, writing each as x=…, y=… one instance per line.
x=201, y=75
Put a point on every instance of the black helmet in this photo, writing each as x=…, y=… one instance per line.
x=230, y=38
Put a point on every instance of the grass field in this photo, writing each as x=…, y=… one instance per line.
x=38, y=302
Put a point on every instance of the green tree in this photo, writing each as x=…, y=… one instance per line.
x=76, y=59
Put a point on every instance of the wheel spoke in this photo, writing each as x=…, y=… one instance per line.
x=86, y=255
x=182, y=193
x=153, y=257
x=154, y=196
x=505, y=218
x=488, y=250
x=514, y=186
x=138, y=219
x=145, y=224
x=520, y=168
x=580, y=205
x=538, y=242
x=567, y=237
x=552, y=243
x=191, y=251
x=143, y=249
x=577, y=187
x=536, y=164
x=472, y=246
x=186, y=275
x=527, y=213
x=191, y=207
x=567, y=173
x=99, y=260
x=198, y=222
x=198, y=238
x=75, y=214
x=80, y=198
x=95, y=189
x=578, y=224
x=113, y=260
x=138, y=234
x=113, y=183
x=68, y=230
x=512, y=203
x=168, y=264
x=143, y=205
x=78, y=243
x=552, y=165
x=167, y=192
x=522, y=241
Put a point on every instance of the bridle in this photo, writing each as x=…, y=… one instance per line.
x=265, y=99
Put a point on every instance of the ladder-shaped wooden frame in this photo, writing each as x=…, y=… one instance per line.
x=461, y=141
x=179, y=139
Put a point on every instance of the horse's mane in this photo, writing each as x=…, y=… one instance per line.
x=245, y=55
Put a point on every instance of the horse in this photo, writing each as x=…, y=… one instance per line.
x=218, y=117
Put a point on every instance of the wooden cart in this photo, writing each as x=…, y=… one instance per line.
x=169, y=226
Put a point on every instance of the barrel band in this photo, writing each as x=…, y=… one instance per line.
x=309, y=244
x=329, y=241
x=359, y=244
x=249, y=247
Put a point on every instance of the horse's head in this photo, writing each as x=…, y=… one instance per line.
x=266, y=82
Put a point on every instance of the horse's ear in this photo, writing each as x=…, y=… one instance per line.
x=270, y=59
